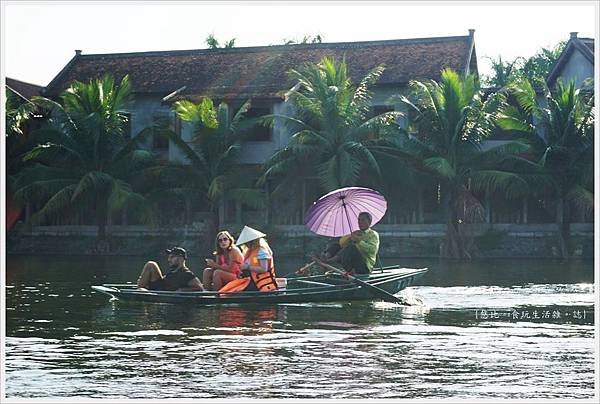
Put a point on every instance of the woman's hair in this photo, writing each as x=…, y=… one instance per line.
x=254, y=244
x=218, y=249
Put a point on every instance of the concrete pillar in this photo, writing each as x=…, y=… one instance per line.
x=420, y=214
x=268, y=204
x=303, y=200
x=238, y=212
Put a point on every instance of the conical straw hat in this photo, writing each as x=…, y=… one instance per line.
x=248, y=234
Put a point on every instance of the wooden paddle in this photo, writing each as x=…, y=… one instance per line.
x=303, y=270
x=388, y=297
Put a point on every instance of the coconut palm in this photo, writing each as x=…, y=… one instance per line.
x=332, y=131
x=18, y=115
x=560, y=127
x=504, y=72
x=212, y=173
x=86, y=164
x=452, y=119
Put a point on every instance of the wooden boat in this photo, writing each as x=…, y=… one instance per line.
x=316, y=288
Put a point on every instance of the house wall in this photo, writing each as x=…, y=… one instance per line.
x=145, y=106
x=259, y=152
x=578, y=67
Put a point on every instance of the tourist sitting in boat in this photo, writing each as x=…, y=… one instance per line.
x=356, y=252
x=226, y=265
x=179, y=277
x=258, y=270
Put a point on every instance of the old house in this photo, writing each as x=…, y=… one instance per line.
x=259, y=73
x=575, y=63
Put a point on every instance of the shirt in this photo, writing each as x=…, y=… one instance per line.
x=177, y=278
x=368, y=246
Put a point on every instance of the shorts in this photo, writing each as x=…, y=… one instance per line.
x=158, y=284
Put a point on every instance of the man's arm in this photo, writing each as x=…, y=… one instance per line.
x=369, y=245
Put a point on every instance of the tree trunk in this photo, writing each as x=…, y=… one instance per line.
x=457, y=244
x=102, y=246
x=563, y=228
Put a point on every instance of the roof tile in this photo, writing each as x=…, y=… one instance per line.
x=262, y=71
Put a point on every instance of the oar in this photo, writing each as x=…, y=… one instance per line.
x=304, y=268
x=388, y=297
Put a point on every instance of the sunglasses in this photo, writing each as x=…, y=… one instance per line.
x=223, y=239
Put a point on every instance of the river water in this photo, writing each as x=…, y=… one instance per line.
x=488, y=329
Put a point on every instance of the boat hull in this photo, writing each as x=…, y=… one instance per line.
x=319, y=289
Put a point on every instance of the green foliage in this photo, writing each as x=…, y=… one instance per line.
x=559, y=124
x=535, y=68
x=333, y=135
x=307, y=39
x=213, y=173
x=503, y=73
x=452, y=119
x=213, y=43
x=85, y=163
x=18, y=114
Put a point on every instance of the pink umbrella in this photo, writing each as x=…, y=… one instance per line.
x=336, y=213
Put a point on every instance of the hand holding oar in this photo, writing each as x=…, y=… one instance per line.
x=388, y=297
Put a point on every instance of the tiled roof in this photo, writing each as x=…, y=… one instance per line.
x=589, y=42
x=262, y=71
x=25, y=90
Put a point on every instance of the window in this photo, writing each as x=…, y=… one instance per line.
x=258, y=133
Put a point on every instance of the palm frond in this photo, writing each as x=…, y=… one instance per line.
x=440, y=166
x=56, y=205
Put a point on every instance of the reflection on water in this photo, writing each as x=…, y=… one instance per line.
x=63, y=340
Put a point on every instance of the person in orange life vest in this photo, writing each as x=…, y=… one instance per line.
x=258, y=260
x=226, y=265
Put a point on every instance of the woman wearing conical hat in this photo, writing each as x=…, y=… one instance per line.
x=258, y=269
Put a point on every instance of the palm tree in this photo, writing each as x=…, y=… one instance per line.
x=213, y=43
x=212, y=173
x=537, y=68
x=503, y=73
x=332, y=131
x=452, y=120
x=87, y=163
x=560, y=127
x=18, y=114
x=18, y=142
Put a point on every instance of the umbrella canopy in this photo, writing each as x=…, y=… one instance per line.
x=336, y=213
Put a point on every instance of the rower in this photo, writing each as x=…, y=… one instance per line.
x=356, y=252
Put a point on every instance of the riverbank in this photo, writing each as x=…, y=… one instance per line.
x=407, y=241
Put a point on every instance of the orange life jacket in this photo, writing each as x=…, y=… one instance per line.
x=265, y=282
x=236, y=285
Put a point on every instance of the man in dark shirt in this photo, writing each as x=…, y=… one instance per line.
x=179, y=277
